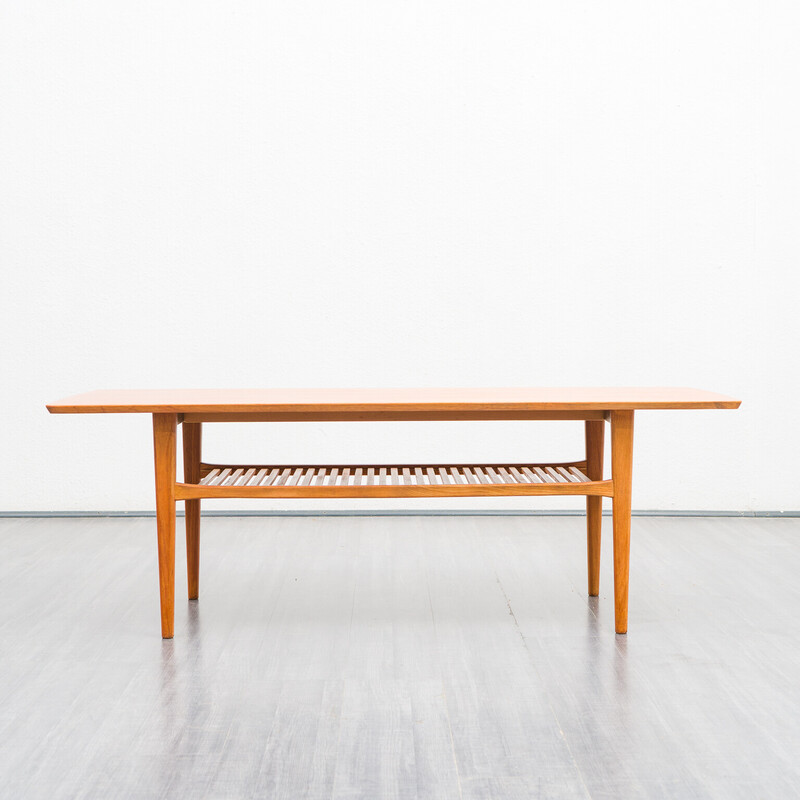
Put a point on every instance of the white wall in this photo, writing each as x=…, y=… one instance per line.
x=397, y=194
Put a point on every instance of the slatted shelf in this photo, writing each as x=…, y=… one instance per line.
x=410, y=475
x=391, y=480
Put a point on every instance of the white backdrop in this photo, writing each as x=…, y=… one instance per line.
x=400, y=194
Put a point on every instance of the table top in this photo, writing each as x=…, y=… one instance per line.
x=366, y=400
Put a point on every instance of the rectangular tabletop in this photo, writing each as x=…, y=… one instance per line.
x=343, y=401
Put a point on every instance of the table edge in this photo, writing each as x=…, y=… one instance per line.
x=377, y=408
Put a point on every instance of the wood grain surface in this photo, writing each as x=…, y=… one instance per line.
x=354, y=401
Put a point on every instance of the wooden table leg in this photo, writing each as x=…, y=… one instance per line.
x=192, y=443
x=164, y=436
x=621, y=472
x=595, y=430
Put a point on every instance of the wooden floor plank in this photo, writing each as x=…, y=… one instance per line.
x=447, y=657
x=375, y=753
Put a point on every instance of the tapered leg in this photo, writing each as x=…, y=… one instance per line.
x=164, y=435
x=595, y=430
x=621, y=471
x=192, y=437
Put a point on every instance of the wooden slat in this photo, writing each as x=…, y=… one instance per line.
x=481, y=475
x=283, y=477
x=581, y=476
x=543, y=475
x=222, y=476
x=210, y=478
x=258, y=477
x=506, y=475
x=270, y=477
x=518, y=476
x=564, y=475
x=321, y=476
x=568, y=475
x=531, y=475
x=231, y=479
x=295, y=477
x=476, y=478
x=245, y=479
x=488, y=475
x=493, y=475
x=306, y=478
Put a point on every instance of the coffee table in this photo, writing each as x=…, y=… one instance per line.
x=191, y=408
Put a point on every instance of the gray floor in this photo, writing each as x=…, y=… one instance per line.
x=404, y=657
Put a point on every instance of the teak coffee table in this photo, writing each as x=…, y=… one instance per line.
x=191, y=408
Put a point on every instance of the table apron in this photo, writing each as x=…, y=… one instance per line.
x=387, y=416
